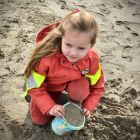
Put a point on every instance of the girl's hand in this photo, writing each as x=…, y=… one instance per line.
x=57, y=110
x=87, y=113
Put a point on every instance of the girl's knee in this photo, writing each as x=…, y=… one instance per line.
x=78, y=90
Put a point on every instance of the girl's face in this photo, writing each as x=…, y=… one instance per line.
x=75, y=45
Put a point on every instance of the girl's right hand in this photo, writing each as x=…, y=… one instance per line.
x=57, y=110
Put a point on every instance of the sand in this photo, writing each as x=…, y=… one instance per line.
x=73, y=115
x=117, y=116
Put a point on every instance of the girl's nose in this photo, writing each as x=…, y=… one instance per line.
x=73, y=52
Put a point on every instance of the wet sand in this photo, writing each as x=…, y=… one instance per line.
x=117, y=116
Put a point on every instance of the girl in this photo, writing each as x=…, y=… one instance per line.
x=63, y=60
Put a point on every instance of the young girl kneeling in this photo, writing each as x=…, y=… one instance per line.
x=64, y=60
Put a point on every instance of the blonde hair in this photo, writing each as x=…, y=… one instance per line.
x=80, y=21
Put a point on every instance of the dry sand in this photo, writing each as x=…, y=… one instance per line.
x=117, y=117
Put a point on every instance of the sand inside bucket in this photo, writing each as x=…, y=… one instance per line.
x=73, y=115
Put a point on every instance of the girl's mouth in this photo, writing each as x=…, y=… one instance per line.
x=72, y=57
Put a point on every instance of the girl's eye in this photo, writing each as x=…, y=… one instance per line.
x=69, y=45
x=80, y=48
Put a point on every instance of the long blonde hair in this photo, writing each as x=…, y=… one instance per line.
x=78, y=20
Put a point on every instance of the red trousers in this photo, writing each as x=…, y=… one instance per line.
x=35, y=113
x=78, y=90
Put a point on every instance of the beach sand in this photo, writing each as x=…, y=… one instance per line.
x=117, y=116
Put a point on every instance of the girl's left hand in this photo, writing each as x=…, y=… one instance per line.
x=87, y=113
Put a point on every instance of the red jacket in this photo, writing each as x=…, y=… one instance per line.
x=58, y=71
